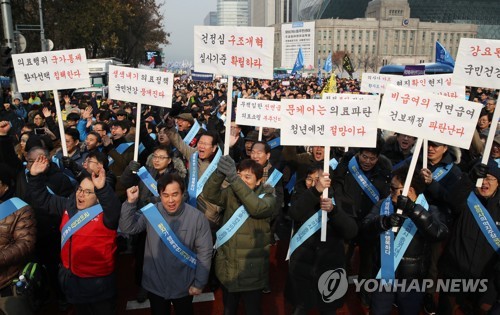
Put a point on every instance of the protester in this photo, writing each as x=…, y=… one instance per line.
x=86, y=275
x=312, y=257
x=168, y=275
x=416, y=258
x=242, y=260
x=470, y=252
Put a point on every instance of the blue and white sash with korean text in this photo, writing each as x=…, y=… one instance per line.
x=485, y=221
x=441, y=172
x=168, y=237
x=232, y=225
x=79, y=220
x=274, y=178
x=405, y=236
x=10, y=206
x=192, y=132
x=195, y=186
x=274, y=143
x=387, y=244
x=306, y=230
x=148, y=180
x=363, y=181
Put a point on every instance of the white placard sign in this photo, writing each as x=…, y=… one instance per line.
x=141, y=86
x=51, y=70
x=237, y=51
x=294, y=36
x=478, y=63
x=339, y=121
x=261, y=113
x=429, y=116
x=440, y=84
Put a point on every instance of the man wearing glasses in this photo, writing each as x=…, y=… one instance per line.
x=472, y=250
x=202, y=163
x=89, y=219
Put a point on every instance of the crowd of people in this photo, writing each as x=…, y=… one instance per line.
x=198, y=220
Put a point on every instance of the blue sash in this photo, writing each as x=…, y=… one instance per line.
x=148, y=180
x=274, y=178
x=387, y=244
x=274, y=143
x=120, y=149
x=363, y=181
x=10, y=206
x=485, y=221
x=168, y=236
x=311, y=226
x=141, y=148
x=405, y=236
x=196, y=184
x=153, y=136
x=441, y=172
x=123, y=147
x=291, y=183
x=232, y=225
x=192, y=133
x=79, y=220
x=333, y=165
x=193, y=178
x=498, y=161
x=66, y=172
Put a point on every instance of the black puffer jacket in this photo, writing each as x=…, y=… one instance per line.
x=313, y=257
x=348, y=194
x=416, y=259
x=468, y=254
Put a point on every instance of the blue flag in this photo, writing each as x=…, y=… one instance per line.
x=443, y=56
x=299, y=62
x=328, y=63
x=320, y=79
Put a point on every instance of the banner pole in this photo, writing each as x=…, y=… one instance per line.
x=229, y=112
x=260, y=133
x=137, y=132
x=60, y=123
x=326, y=168
x=409, y=177
x=424, y=154
x=489, y=142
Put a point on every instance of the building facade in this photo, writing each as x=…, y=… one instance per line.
x=211, y=19
x=232, y=13
x=387, y=35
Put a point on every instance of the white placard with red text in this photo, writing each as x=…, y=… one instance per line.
x=141, y=86
x=51, y=70
x=478, y=63
x=261, y=113
x=237, y=51
x=339, y=121
x=429, y=116
x=440, y=84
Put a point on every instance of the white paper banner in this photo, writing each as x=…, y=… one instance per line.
x=339, y=121
x=51, y=70
x=237, y=51
x=440, y=84
x=141, y=86
x=261, y=113
x=429, y=116
x=478, y=63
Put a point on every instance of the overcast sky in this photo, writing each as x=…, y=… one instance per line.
x=179, y=18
